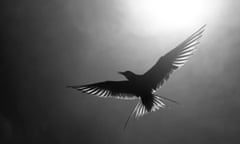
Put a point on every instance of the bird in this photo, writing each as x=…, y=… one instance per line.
x=144, y=86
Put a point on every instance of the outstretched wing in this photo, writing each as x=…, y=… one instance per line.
x=174, y=59
x=116, y=89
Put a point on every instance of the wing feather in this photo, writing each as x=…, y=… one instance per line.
x=174, y=59
x=116, y=89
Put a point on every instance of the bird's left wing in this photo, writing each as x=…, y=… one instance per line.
x=174, y=59
x=116, y=89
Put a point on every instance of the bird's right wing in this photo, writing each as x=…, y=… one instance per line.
x=116, y=89
x=174, y=59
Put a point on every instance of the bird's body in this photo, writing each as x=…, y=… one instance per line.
x=144, y=86
x=141, y=89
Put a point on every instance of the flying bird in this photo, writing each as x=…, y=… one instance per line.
x=144, y=86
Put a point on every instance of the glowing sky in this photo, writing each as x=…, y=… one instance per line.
x=145, y=17
x=148, y=17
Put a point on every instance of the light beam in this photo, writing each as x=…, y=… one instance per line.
x=151, y=16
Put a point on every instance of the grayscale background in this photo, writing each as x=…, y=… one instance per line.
x=49, y=44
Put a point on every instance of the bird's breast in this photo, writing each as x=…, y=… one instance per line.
x=140, y=88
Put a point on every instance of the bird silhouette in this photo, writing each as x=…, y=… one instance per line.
x=144, y=86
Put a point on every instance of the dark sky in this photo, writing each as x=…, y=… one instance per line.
x=50, y=44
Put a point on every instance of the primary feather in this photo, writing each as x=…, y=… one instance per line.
x=115, y=89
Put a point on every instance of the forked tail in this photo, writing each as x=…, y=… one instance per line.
x=168, y=99
x=141, y=110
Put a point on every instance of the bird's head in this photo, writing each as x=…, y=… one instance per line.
x=128, y=74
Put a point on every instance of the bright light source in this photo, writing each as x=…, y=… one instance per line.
x=150, y=16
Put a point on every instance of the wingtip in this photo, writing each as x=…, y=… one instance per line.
x=203, y=27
